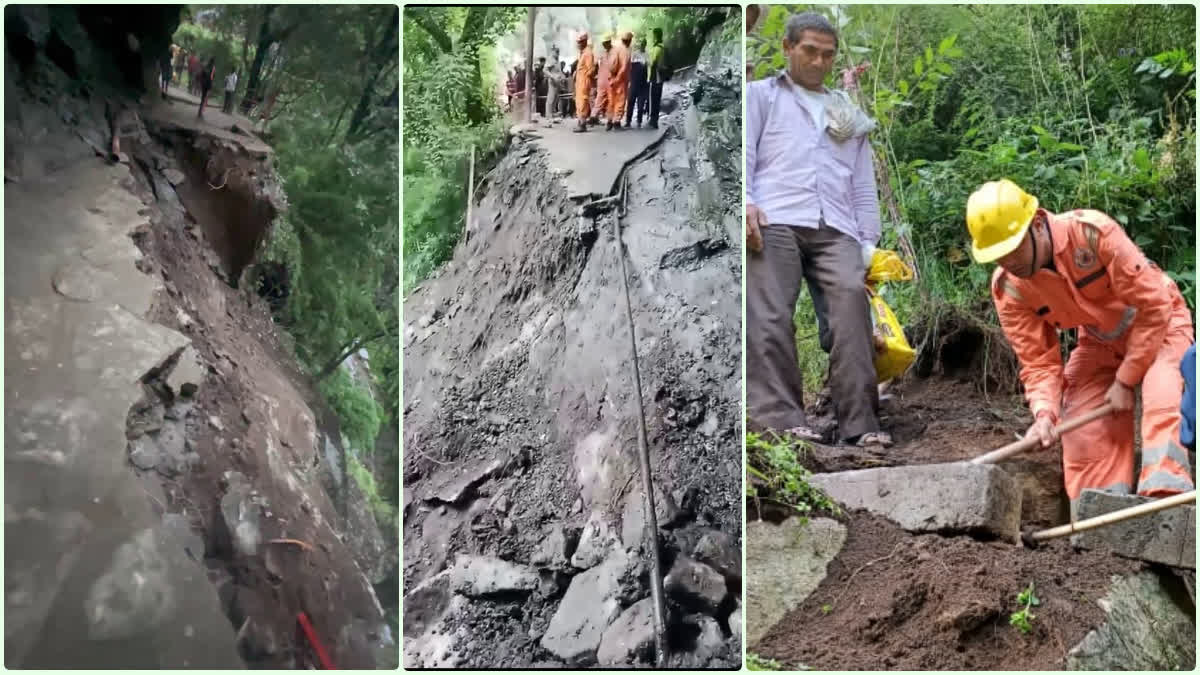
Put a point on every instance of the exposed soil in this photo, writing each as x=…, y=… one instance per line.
x=255, y=392
x=897, y=601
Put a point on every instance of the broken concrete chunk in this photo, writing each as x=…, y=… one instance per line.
x=1167, y=536
x=588, y=607
x=186, y=376
x=695, y=585
x=478, y=576
x=595, y=543
x=955, y=497
x=630, y=639
x=173, y=176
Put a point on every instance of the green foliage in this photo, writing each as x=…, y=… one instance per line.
x=756, y=662
x=385, y=513
x=1085, y=106
x=778, y=476
x=356, y=408
x=206, y=44
x=1023, y=618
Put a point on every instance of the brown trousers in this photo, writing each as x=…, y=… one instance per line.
x=831, y=263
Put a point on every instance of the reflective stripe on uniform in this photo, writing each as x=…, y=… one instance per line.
x=1165, y=470
x=1122, y=326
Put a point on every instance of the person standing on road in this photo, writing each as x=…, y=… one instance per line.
x=194, y=74
x=1080, y=270
x=812, y=214
x=618, y=83
x=585, y=73
x=230, y=90
x=165, y=75
x=654, y=75
x=603, y=74
x=639, y=87
x=206, y=83
x=553, y=85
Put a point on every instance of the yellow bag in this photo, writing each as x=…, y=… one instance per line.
x=887, y=266
x=896, y=354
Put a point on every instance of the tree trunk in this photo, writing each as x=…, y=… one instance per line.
x=265, y=38
x=385, y=50
x=529, y=66
x=349, y=348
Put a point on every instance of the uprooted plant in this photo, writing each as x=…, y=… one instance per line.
x=1023, y=618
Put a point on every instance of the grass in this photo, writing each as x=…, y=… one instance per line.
x=1023, y=618
x=782, y=479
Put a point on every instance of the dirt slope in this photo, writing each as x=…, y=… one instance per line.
x=519, y=414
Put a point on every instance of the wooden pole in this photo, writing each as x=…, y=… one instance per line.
x=1115, y=516
x=1029, y=443
x=470, y=192
x=529, y=66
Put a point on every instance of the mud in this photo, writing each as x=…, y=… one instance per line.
x=519, y=410
x=901, y=602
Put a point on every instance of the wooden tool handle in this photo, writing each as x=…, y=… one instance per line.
x=1115, y=516
x=1027, y=443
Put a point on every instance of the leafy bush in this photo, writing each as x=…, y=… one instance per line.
x=775, y=463
x=756, y=662
x=385, y=513
x=356, y=408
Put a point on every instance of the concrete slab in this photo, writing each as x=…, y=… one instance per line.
x=181, y=113
x=1167, y=537
x=785, y=563
x=955, y=497
x=594, y=159
x=76, y=342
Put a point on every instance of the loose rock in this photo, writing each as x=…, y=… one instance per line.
x=695, y=585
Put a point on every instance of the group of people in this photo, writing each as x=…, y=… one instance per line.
x=621, y=83
x=812, y=215
x=201, y=76
x=626, y=78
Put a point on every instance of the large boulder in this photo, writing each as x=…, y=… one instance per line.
x=1147, y=629
x=591, y=603
x=788, y=562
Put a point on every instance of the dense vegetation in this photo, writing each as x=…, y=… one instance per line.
x=334, y=130
x=451, y=79
x=1086, y=106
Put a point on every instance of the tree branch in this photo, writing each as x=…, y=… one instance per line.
x=427, y=22
x=354, y=345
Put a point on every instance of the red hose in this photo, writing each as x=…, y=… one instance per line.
x=311, y=634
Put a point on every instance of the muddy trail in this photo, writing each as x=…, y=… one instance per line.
x=522, y=502
x=878, y=597
x=205, y=514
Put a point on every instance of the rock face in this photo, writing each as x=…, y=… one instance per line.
x=955, y=497
x=1167, y=536
x=786, y=562
x=1147, y=629
x=589, y=606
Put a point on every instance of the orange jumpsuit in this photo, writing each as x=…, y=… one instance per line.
x=601, y=107
x=1134, y=326
x=585, y=75
x=618, y=82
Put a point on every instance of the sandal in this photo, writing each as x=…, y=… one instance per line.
x=803, y=433
x=874, y=438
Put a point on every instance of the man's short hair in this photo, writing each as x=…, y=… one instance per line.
x=809, y=21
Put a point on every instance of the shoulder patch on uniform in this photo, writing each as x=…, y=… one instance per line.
x=1085, y=257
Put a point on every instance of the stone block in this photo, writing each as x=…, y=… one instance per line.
x=785, y=563
x=1167, y=537
x=954, y=497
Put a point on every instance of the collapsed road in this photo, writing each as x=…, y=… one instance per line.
x=165, y=460
x=523, y=502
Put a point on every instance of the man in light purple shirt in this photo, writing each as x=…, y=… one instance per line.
x=812, y=214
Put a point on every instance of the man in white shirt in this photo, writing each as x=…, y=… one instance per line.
x=230, y=88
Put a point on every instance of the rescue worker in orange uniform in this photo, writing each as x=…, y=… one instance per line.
x=605, y=72
x=585, y=75
x=1080, y=270
x=618, y=81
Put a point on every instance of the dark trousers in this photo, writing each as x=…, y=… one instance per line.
x=831, y=263
x=655, y=100
x=227, y=104
x=639, y=91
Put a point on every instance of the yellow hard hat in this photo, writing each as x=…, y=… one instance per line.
x=998, y=215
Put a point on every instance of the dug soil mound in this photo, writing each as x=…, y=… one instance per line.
x=896, y=601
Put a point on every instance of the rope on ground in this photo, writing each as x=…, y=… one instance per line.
x=651, y=523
